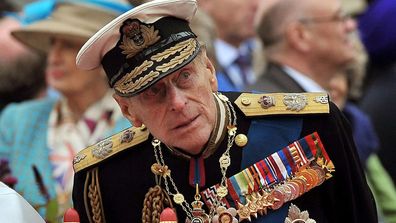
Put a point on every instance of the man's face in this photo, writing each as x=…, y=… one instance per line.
x=179, y=109
x=234, y=18
x=331, y=33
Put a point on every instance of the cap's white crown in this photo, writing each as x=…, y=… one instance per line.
x=91, y=54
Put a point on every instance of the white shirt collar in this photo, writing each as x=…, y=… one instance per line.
x=225, y=53
x=305, y=82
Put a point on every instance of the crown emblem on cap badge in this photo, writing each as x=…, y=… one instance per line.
x=136, y=37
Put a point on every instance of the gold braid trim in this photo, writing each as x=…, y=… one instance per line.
x=139, y=83
x=126, y=84
x=125, y=80
x=92, y=194
x=154, y=202
x=126, y=87
x=184, y=54
x=173, y=50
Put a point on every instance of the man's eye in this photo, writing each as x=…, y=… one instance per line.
x=152, y=91
x=184, y=79
x=185, y=75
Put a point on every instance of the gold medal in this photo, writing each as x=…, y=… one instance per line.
x=278, y=199
x=320, y=174
x=243, y=212
x=294, y=188
x=286, y=192
x=301, y=185
x=261, y=206
x=267, y=199
x=252, y=207
x=305, y=175
x=314, y=176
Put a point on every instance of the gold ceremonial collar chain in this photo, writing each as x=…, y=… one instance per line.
x=160, y=169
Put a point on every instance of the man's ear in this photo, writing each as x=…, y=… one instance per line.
x=298, y=36
x=127, y=110
x=212, y=76
x=206, y=5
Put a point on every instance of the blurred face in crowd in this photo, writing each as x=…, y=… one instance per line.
x=338, y=89
x=21, y=69
x=234, y=18
x=179, y=109
x=11, y=49
x=330, y=32
x=263, y=7
x=62, y=73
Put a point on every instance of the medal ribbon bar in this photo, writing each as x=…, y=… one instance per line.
x=280, y=177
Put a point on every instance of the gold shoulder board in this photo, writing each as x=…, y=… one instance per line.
x=109, y=147
x=282, y=103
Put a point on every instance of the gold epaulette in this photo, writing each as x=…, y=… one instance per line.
x=282, y=103
x=109, y=147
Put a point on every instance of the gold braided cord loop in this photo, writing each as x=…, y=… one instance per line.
x=184, y=54
x=87, y=208
x=92, y=194
x=154, y=203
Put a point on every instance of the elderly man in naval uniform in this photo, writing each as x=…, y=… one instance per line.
x=198, y=155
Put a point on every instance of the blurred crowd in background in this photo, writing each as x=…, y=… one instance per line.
x=344, y=47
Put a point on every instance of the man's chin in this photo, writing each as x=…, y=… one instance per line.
x=192, y=145
x=191, y=141
x=190, y=148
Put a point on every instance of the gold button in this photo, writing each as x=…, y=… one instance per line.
x=241, y=140
x=246, y=101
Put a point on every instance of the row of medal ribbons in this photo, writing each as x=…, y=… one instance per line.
x=280, y=177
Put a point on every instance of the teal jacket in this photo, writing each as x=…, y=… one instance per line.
x=23, y=141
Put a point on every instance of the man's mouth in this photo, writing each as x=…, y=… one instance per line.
x=186, y=123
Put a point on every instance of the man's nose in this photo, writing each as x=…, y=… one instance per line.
x=177, y=98
x=350, y=24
